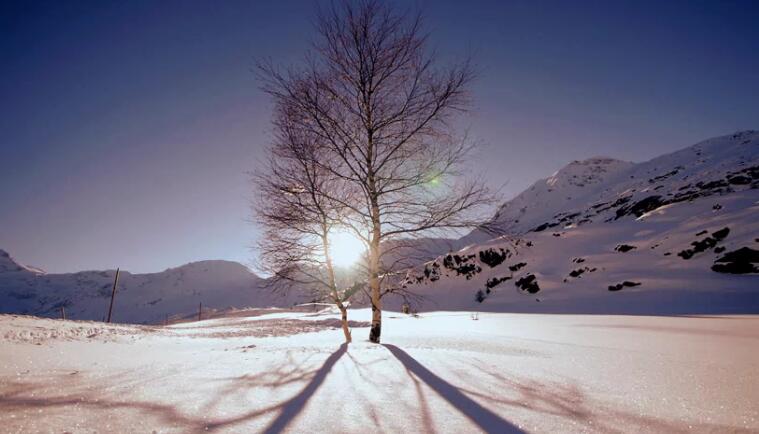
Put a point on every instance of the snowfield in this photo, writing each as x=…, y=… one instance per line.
x=621, y=297
x=286, y=371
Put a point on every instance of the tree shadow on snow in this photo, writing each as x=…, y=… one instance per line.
x=292, y=407
x=482, y=417
x=21, y=396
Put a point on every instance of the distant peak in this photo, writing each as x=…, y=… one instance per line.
x=8, y=264
x=596, y=160
x=588, y=171
x=211, y=266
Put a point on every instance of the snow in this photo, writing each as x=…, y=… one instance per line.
x=635, y=239
x=598, y=310
x=580, y=185
x=669, y=284
x=582, y=212
x=439, y=372
x=140, y=298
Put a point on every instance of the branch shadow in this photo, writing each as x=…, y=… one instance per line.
x=482, y=417
x=566, y=401
x=19, y=396
x=293, y=407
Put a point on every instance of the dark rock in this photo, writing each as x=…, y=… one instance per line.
x=544, y=226
x=577, y=272
x=666, y=175
x=741, y=261
x=518, y=266
x=495, y=281
x=739, y=180
x=712, y=184
x=623, y=248
x=705, y=244
x=641, y=207
x=569, y=217
x=492, y=258
x=528, y=283
x=702, y=233
x=721, y=234
x=624, y=284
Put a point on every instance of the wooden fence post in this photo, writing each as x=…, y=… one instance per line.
x=200, y=308
x=63, y=312
x=113, y=294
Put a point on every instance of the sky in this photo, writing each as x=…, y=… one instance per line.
x=128, y=128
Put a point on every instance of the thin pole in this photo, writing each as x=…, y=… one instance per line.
x=113, y=294
x=200, y=308
x=63, y=312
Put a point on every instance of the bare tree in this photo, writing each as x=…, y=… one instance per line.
x=298, y=215
x=372, y=93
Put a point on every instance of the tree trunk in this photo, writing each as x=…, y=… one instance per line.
x=333, y=284
x=374, y=283
x=344, y=319
x=376, y=329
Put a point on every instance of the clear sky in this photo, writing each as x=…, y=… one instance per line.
x=127, y=127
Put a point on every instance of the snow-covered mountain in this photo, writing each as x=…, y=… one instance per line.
x=140, y=298
x=676, y=234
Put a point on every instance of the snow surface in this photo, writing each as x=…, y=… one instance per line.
x=140, y=298
x=439, y=372
x=604, y=236
x=669, y=284
x=589, y=187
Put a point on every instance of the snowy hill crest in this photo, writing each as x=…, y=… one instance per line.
x=9, y=265
x=141, y=298
x=676, y=234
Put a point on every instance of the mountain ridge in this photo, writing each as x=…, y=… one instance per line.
x=678, y=234
x=600, y=235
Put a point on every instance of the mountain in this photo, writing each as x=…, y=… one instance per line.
x=140, y=298
x=676, y=234
x=574, y=184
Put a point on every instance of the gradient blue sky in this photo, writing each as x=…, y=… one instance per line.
x=126, y=128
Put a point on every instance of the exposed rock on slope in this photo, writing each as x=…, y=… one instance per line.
x=699, y=203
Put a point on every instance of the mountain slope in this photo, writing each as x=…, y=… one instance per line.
x=677, y=234
x=140, y=298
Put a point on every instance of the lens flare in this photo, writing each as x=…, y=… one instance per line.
x=345, y=248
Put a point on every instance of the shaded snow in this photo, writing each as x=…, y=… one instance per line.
x=140, y=298
x=440, y=372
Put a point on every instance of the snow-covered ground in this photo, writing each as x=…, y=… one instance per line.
x=278, y=371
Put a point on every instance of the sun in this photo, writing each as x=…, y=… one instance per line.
x=345, y=247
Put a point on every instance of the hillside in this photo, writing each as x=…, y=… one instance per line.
x=676, y=234
x=140, y=298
